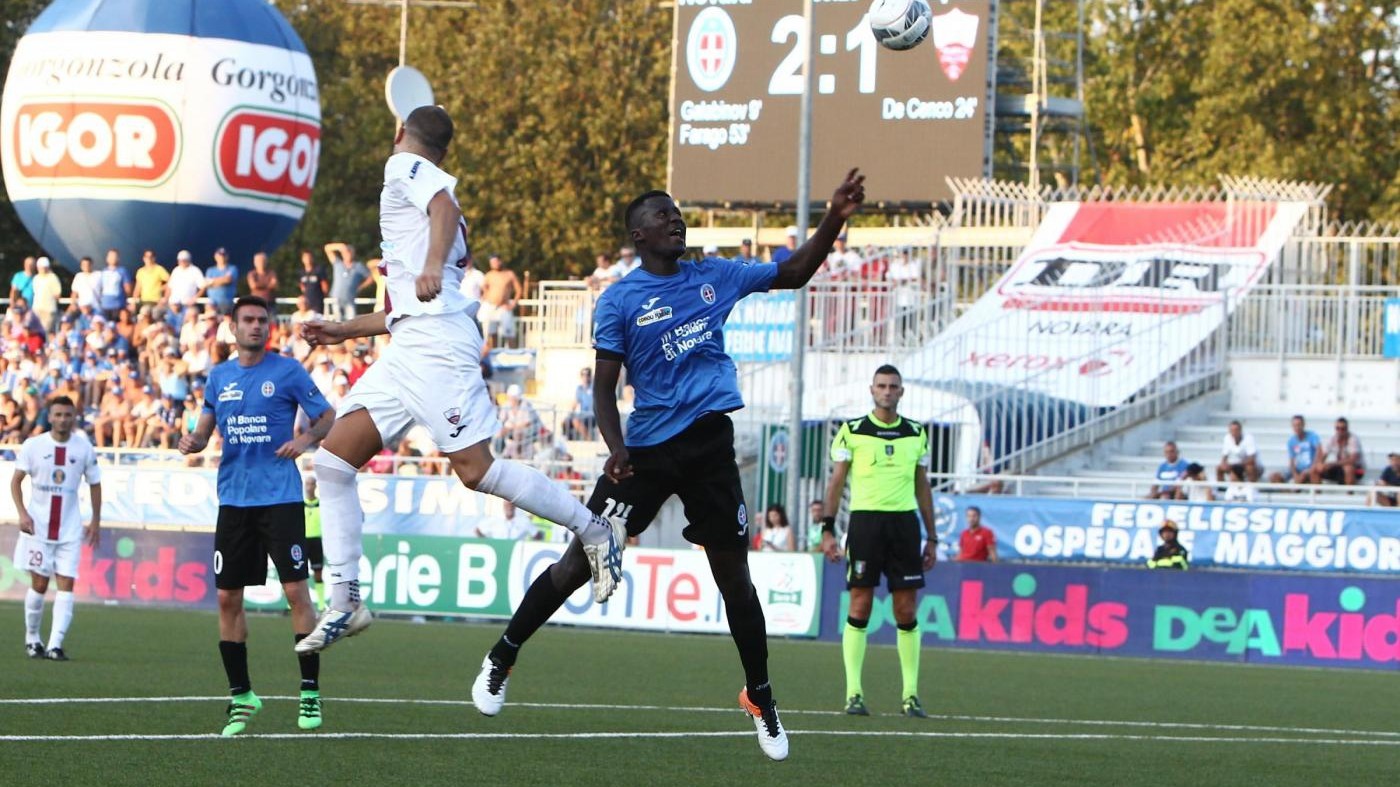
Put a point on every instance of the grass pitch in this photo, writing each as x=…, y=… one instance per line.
x=142, y=702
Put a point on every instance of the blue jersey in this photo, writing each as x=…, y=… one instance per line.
x=1304, y=452
x=255, y=408
x=1171, y=471
x=669, y=332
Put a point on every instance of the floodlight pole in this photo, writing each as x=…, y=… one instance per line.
x=799, y=332
x=403, y=15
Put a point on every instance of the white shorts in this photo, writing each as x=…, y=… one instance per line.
x=46, y=558
x=430, y=374
x=497, y=319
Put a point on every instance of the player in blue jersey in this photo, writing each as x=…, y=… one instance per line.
x=252, y=400
x=665, y=323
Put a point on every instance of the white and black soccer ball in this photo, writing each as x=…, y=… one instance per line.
x=900, y=24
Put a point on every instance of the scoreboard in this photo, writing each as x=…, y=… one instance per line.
x=907, y=119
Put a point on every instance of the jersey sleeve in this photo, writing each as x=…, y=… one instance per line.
x=748, y=279
x=924, y=457
x=211, y=390
x=25, y=461
x=841, y=444
x=92, y=472
x=305, y=392
x=609, y=330
x=423, y=182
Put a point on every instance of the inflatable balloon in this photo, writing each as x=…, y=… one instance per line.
x=162, y=124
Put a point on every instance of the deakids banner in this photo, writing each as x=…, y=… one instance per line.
x=1254, y=618
x=662, y=590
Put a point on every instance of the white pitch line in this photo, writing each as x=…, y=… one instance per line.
x=1181, y=725
x=699, y=734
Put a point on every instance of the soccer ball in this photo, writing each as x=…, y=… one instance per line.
x=900, y=24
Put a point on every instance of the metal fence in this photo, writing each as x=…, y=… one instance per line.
x=1311, y=321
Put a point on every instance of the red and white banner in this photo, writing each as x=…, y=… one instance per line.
x=1107, y=297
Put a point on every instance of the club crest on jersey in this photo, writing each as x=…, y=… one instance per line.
x=296, y=552
x=59, y=475
x=230, y=393
x=268, y=389
x=889, y=450
x=707, y=293
x=453, y=415
x=743, y=515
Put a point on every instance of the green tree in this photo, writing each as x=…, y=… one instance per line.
x=15, y=242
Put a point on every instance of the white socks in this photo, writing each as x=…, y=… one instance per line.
x=33, y=615
x=531, y=490
x=62, y=616
x=343, y=523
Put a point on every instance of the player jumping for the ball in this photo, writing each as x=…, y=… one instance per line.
x=665, y=323
x=430, y=374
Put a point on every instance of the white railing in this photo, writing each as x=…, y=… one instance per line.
x=1311, y=321
x=1094, y=487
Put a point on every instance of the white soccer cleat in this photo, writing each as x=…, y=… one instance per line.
x=334, y=626
x=605, y=559
x=772, y=738
x=489, y=690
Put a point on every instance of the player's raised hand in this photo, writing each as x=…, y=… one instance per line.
x=849, y=195
x=429, y=283
x=319, y=333
x=619, y=465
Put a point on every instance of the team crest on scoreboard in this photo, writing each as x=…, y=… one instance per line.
x=707, y=293
x=955, y=37
x=711, y=49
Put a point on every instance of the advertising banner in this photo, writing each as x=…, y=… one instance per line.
x=1391, y=342
x=1217, y=616
x=761, y=327
x=1224, y=535
x=662, y=590
x=1107, y=297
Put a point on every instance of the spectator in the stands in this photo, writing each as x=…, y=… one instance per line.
x=513, y=525
x=1238, y=449
x=814, y=526
x=842, y=262
x=221, y=282
x=83, y=289
x=262, y=280
x=581, y=419
x=628, y=260
x=1387, y=492
x=1342, y=460
x=518, y=424
x=977, y=544
x=113, y=286
x=22, y=282
x=314, y=282
x=150, y=281
x=1169, y=472
x=746, y=255
x=783, y=252
x=986, y=468
x=604, y=273
x=186, y=282
x=776, y=534
x=1303, y=449
x=47, y=289
x=1198, y=490
x=1238, y=491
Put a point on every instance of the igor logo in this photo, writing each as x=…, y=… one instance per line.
x=267, y=155
x=136, y=143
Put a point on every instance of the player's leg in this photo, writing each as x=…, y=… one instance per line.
x=239, y=560
x=282, y=532
x=65, y=567
x=701, y=462
x=864, y=565
x=353, y=440
x=633, y=504
x=36, y=557
x=904, y=569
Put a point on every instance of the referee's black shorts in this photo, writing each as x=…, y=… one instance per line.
x=884, y=542
x=246, y=536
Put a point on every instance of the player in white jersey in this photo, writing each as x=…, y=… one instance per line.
x=51, y=528
x=430, y=374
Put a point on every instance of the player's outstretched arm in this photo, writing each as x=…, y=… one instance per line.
x=443, y=219
x=923, y=495
x=605, y=377
x=797, y=270
x=93, y=533
x=830, y=505
x=320, y=333
x=26, y=522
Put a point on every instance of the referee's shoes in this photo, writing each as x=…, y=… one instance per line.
x=334, y=626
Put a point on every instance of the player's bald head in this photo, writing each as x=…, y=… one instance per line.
x=430, y=127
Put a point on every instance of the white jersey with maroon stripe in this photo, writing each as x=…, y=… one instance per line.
x=410, y=183
x=56, y=471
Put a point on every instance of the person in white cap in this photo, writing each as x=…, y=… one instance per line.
x=710, y=250
x=186, y=282
x=47, y=290
x=782, y=253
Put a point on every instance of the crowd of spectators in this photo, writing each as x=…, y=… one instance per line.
x=1307, y=459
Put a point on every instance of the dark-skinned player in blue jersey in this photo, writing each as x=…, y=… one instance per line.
x=665, y=323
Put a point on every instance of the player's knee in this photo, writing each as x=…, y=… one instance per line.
x=331, y=469
x=39, y=583
x=230, y=600
x=470, y=468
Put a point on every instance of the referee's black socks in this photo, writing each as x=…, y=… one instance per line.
x=310, y=667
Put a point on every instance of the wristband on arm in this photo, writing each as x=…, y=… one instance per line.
x=829, y=525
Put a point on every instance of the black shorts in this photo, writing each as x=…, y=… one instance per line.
x=314, y=555
x=884, y=542
x=244, y=538
x=698, y=465
x=1337, y=475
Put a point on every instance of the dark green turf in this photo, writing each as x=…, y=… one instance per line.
x=120, y=652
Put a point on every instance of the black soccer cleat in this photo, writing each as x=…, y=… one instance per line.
x=914, y=709
x=855, y=706
x=35, y=650
x=57, y=654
